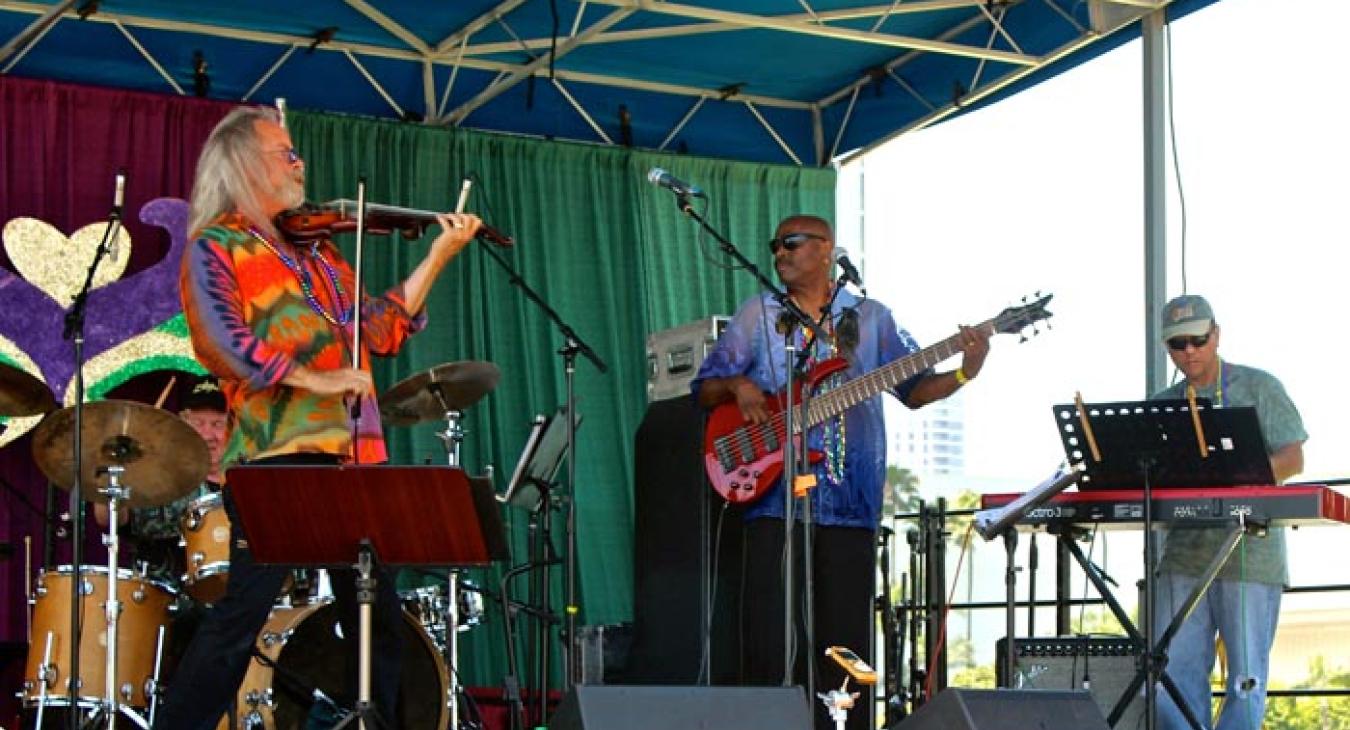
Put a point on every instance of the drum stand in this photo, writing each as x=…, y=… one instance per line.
x=453, y=438
x=116, y=494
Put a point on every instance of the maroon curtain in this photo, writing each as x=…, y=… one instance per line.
x=60, y=147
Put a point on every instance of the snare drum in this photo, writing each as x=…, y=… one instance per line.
x=145, y=610
x=206, y=541
x=306, y=643
x=429, y=606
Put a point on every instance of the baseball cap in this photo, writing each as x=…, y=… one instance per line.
x=205, y=395
x=1189, y=315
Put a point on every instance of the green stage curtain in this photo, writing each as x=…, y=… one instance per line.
x=611, y=253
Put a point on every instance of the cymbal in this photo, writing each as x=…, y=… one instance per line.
x=163, y=456
x=426, y=396
x=22, y=394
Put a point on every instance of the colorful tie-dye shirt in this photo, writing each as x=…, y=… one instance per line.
x=251, y=326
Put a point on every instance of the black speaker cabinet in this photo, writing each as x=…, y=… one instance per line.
x=682, y=708
x=1107, y=664
x=687, y=556
x=1007, y=709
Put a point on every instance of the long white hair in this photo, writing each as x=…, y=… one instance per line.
x=229, y=171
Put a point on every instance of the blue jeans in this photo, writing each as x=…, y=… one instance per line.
x=1244, y=615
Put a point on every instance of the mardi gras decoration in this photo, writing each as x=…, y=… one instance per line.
x=133, y=325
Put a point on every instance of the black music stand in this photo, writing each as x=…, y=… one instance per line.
x=337, y=516
x=1136, y=443
x=1164, y=432
x=539, y=461
x=530, y=489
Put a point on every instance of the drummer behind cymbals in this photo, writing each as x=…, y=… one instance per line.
x=154, y=531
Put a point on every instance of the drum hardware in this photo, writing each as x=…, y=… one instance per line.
x=116, y=494
x=46, y=676
x=120, y=443
x=452, y=437
x=152, y=686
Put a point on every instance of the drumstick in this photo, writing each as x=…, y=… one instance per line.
x=1087, y=427
x=1195, y=421
x=281, y=111
x=463, y=195
x=172, y=379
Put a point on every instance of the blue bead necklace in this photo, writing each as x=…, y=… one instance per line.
x=344, y=310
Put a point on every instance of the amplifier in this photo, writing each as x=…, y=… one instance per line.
x=674, y=356
x=1108, y=662
x=603, y=651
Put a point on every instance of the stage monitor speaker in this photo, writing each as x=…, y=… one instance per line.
x=686, y=557
x=614, y=707
x=1007, y=709
x=1107, y=663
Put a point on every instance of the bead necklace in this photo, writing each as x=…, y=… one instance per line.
x=834, y=438
x=344, y=310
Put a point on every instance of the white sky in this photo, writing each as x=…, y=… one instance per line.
x=1044, y=191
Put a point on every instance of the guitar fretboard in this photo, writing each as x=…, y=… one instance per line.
x=825, y=406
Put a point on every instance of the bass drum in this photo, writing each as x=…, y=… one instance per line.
x=306, y=644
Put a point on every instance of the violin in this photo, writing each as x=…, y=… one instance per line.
x=310, y=222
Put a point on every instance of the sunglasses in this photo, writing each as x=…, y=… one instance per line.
x=1196, y=341
x=792, y=241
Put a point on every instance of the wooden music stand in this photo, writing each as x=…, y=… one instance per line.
x=340, y=516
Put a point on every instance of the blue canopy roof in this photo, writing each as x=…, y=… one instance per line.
x=796, y=81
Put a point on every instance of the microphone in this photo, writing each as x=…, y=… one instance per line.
x=659, y=177
x=850, y=274
x=119, y=193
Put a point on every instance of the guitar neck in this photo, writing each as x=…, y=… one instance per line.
x=828, y=405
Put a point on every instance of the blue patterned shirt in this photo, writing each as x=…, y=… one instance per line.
x=751, y=346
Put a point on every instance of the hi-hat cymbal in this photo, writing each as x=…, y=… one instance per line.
x=22, y=394
x=163, y=456
x=426, y=396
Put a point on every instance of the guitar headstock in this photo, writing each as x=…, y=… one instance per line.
x=1014, y=320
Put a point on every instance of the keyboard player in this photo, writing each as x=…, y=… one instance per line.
x=1242, y=606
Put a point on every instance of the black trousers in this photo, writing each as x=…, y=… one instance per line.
x=844, y=569
x=209, y=674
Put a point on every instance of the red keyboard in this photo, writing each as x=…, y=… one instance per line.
x=1307, y=504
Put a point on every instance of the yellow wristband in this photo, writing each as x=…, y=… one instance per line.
x=960, y=375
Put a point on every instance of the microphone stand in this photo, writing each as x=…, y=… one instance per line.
x=573, y=346
x=801, y=466
x=683, y=202
x=74, y=331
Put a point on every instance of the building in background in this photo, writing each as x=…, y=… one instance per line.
x=930, y=442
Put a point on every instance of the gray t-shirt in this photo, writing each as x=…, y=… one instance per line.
x=1188, y=550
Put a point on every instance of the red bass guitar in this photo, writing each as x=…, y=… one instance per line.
x=744, y=460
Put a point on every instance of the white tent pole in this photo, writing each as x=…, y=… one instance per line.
x=268, y=74
x=36, y=29
x=1155, y=196
x=683, y=121
x=581, y=110
x=149, y=58
x=774, y=133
